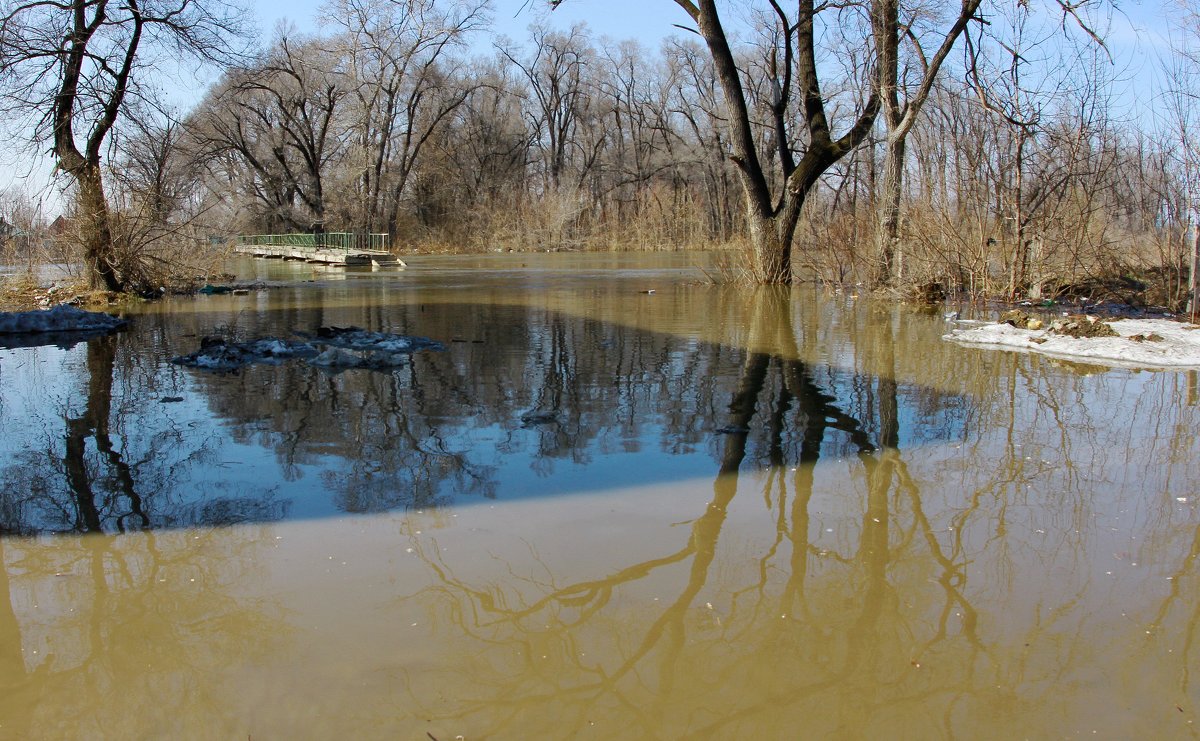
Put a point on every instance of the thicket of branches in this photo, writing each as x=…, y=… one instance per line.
x=1024, y=171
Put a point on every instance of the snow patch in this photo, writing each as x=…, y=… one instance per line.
x=62, y=318
x=1141, y=343
x=338, y=358
x=332, y=348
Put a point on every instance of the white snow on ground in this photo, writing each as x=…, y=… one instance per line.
x=1179, y=347
x=62, y=318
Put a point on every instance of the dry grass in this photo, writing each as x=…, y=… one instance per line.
x=23, y=292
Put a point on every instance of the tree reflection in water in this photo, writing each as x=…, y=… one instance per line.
x=137, y=621
x=882, y=546
x=549, y=404
x=112, y=636
x=687, y=658
x=85, y=482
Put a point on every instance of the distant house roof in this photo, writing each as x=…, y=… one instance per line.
x=8, y=231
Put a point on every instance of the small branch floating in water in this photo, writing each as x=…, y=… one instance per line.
x=533, y=419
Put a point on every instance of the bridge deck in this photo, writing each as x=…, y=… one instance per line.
x=324, y=255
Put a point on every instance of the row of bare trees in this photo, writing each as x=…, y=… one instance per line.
x=983, y=146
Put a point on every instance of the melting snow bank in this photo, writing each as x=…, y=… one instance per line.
x=332, y=348
x=62, y=318
x=64, y=325
x=1140, y=343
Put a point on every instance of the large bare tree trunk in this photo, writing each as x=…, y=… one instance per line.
x=95, y=228
x=771, y=243
x=772, y=220
x=84, y=166
x=891, y=255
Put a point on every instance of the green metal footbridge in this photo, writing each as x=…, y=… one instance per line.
x=327, y=248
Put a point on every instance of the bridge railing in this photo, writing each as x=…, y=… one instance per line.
x=323, y=240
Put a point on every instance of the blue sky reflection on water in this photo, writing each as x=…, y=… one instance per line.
x=615, y=405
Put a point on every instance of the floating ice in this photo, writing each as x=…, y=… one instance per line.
x=337, y=358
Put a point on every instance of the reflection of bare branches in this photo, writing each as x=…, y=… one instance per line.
x=1173, y=597
x=133, y=623
x=91, y=476
x=953, y=578
x=498, y=617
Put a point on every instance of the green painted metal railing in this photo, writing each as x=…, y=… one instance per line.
x=323, y=240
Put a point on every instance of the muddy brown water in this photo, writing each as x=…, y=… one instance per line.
x=702, y=512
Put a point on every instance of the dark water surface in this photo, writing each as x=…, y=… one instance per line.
x=702, y=512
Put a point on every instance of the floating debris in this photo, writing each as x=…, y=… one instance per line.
x=331, y=348
x=533, y=419
x=355, y=338
x=1081, y=326
x=1021, y=320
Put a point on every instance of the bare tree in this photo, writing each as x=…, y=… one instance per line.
x=773, y=213
x=1183, y=105
x=1029, y=79
x=402, y=82
x=72, y=66
x=555, y=74
x=698, y=105
x=238, y=134
x=278, y=119
x=479, y=162
x=905, y=89
x=150, y=169
x=300, y=95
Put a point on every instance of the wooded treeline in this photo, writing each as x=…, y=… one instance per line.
x=1021, y=168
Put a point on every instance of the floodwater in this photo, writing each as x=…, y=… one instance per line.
x=702, y=512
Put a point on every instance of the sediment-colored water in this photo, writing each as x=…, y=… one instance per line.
x=600, y=512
